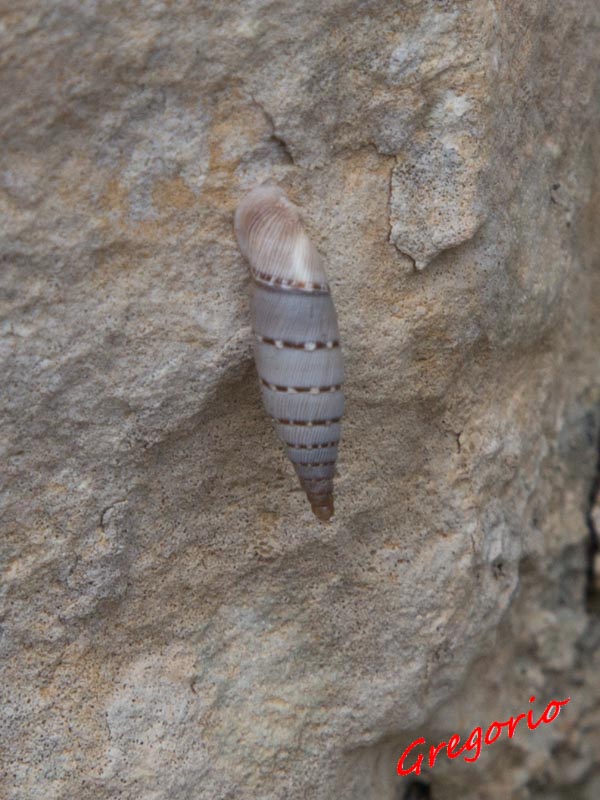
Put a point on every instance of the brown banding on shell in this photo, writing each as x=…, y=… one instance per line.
x=297, y=352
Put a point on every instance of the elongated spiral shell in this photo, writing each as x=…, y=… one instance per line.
x=297, y=342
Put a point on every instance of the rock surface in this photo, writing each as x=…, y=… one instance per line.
x=175, y=623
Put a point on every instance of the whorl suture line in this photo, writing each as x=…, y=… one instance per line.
x=296, y=339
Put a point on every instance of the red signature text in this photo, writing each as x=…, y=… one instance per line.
x=471, y=749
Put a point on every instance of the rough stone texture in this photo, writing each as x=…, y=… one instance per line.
x=175, y=623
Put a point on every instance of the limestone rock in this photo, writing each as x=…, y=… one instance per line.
x=175, y=623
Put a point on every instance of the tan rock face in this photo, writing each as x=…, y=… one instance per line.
x=175, y=622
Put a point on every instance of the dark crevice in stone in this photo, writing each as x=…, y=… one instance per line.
x=416, y=790
x=282, y=145
x=593, y=544
x=275, y=137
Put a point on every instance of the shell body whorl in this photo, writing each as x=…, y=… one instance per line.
x=297, y=348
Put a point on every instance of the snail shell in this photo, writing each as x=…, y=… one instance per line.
x=297, y=347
